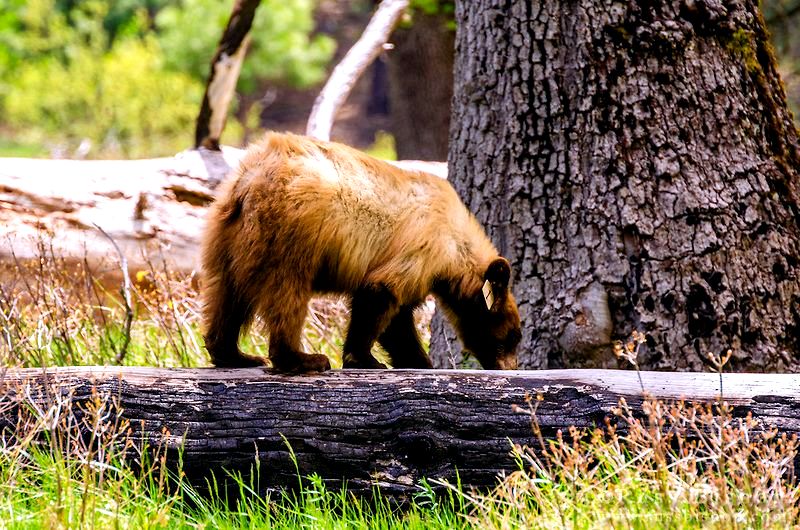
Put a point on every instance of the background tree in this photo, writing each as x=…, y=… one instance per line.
x=638, y=164
x=420, y=78
x=783, y=20
x=223, y=74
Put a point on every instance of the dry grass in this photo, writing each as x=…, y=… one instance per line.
x=678, y=465
x=669, y=465
x=55, y=311
x=65, y=464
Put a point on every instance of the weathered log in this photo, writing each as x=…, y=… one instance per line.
x=390, y=427
x=141, y=204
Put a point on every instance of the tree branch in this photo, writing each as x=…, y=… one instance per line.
x=355, y=62
x=225, y=68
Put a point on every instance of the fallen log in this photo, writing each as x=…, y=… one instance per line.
x=152, y=209
x=385, y=427
x=143, y=205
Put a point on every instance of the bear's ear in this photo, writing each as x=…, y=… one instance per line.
x=496, y=279
x=498, y=273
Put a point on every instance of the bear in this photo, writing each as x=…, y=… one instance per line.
x=301, y=217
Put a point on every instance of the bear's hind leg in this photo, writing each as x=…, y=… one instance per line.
x=371, y=311
x=224, y=315
x=285, y=320
x=401, y=341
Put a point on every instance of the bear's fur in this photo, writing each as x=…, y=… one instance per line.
x=301, y=216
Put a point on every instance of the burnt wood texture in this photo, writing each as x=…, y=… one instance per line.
x=384, y=427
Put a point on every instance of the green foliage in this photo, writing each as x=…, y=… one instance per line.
x=280, y=49
x=442, y=8
x=435, y=7
x=383, y=147
x=39, y=489
x=740, y=43
x=126, y=76
x=16, y=148
x=112, y=99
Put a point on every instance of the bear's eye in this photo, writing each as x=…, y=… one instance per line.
x=513, y=338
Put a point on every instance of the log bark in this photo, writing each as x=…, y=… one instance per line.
x=637, y=163
x=387, y=427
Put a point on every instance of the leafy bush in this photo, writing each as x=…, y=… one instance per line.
x=123, y=101
x=125, y=78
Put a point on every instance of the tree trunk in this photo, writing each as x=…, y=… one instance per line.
x=783, y=19
x=421, y=87
x=637, y=163
x=369, y=426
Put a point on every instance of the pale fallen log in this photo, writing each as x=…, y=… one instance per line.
x=152, y=207
x=144, y=205
x=388, y=427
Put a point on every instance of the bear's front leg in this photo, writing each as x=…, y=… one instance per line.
x=401, y=341
x=371, y=311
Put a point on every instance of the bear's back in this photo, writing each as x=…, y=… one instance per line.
x=359, y=216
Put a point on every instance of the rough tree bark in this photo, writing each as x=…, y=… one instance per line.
x=637, y=163
x=372, y=426
x=421, y=87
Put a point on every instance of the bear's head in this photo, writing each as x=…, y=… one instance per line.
x=488, y=320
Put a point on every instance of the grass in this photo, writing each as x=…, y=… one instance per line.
x=51, y=476
x=681, y=465
x=56, y=312
x=678, y=465
x=14, y=148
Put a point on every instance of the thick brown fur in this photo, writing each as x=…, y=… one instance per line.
x=301, y=216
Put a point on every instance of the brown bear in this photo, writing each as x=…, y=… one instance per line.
x=302, y=216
